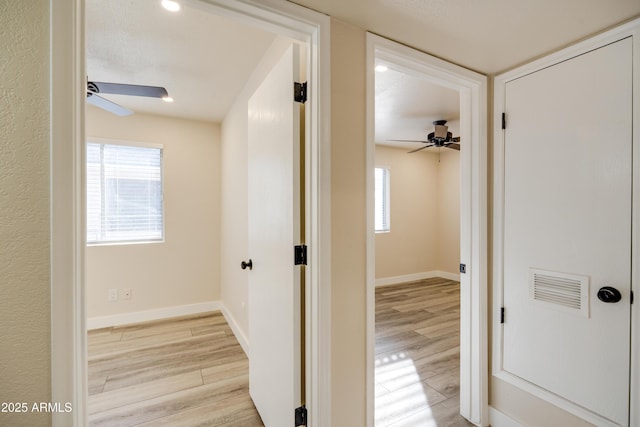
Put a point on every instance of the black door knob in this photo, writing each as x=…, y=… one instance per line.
x=609, y=294
x=245, y=264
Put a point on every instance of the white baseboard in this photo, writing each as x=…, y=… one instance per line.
x=237, y=331
x=155, y=314
x=499, y=419
x=385, y=281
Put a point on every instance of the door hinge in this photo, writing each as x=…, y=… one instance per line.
x=631, y=294
x=501, y=314
x=504, y=121
x=301, y=416
x=300, y=92
x=300, y=255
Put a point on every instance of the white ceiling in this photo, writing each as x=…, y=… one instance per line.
x=488, y=36
x=201, y=59
x=204, y=60
x=406, y=107
x=195, y=56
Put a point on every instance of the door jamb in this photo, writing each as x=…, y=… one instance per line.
x=68, y=323
x=473, y=204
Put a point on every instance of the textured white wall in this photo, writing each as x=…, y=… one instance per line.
x=24, y=209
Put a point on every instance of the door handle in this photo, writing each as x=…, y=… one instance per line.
x=609, y=294
x=245, y=264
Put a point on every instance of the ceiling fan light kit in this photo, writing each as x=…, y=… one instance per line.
x=440, y=132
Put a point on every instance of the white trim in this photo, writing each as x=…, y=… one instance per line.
x=634, y=29
x=473, y=219
x=68, y=378
x=125, y=142
x=626, y=30
x=153, y=314
x=370, y=223
x=68, y=334
x=499, y=419
x=235, y=328
x=396, y=280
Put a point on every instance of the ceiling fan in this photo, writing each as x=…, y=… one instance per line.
x=440, y=137
x=95, y=88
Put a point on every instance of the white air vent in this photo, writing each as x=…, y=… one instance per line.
x=561, y=291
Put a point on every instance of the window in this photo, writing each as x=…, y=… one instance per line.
x=124, y=193
x=382, y=222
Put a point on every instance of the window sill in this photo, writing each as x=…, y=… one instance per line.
x=124, y=243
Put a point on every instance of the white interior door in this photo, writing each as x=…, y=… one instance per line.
x=274, y=229
x=567, y=228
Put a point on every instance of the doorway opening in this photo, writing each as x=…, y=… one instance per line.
x=470, y=90
x=68, y=277
x=417, y=245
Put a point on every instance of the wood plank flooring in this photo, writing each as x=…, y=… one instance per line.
x=417, y=366
x=182, y=372
x=191, y=371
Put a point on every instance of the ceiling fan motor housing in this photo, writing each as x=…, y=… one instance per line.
x=92, y=87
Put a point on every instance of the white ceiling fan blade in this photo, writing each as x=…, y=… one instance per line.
x=105, y=104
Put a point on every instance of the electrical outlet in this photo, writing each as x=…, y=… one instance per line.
x=112, y=295
x=125, y=293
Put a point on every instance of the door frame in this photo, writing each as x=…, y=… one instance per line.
x=67, y=94
x=630, y=29
x=473, y=217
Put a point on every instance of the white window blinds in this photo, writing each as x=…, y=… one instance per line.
x=124, y=193
x=382, y=221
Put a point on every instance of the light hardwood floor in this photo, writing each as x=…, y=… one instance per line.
x=417, y=355
x=191, y=371
x=181, y=372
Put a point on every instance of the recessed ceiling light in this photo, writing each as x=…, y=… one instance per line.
x=167, y=99
x=170, y=5
x=381, y=68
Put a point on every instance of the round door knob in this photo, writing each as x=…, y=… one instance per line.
x=245, y=264
x=609, y=294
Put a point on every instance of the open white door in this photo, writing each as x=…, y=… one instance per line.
x=274, y=229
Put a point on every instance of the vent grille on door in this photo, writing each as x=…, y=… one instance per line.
x=566, y=292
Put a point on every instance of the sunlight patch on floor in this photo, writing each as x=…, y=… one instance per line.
x=401, y=398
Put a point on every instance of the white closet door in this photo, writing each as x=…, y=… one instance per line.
x=567, y=228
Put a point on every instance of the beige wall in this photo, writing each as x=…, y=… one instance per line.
x=348, y=226
x=24, y=209
x=424, y=213
x=185, y=268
